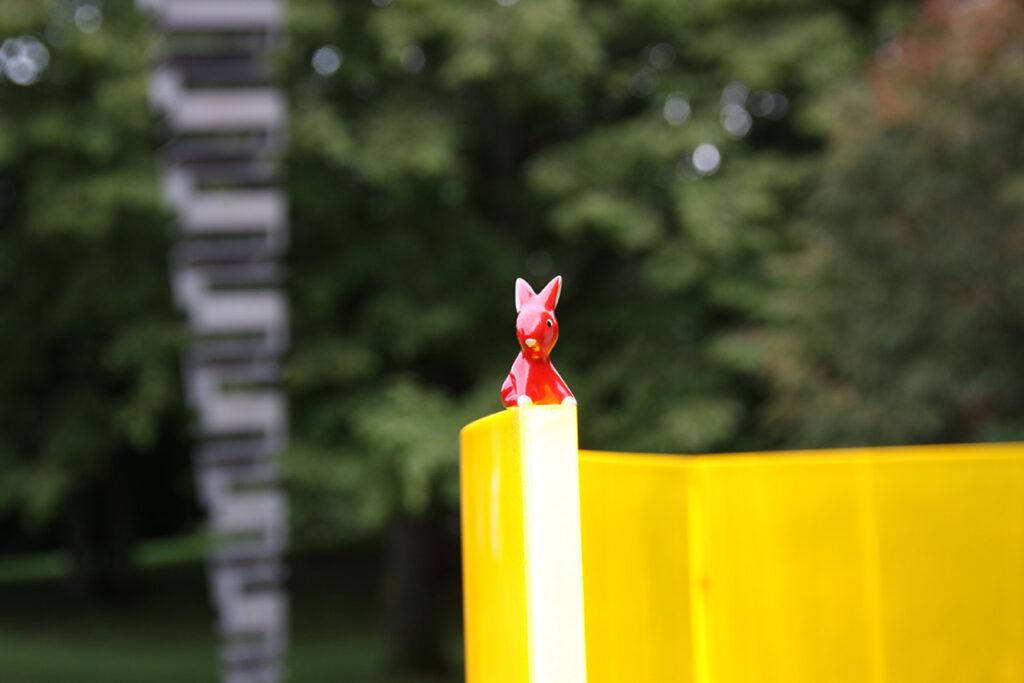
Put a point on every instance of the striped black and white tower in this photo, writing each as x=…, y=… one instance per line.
x=212, y=85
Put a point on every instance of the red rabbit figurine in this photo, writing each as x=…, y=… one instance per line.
x=533, y=379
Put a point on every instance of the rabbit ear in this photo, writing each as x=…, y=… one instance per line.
x=551, y=293
x=524, y=292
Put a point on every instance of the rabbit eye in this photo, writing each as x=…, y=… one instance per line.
x=549, y=324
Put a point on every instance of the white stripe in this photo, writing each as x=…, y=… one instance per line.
x=554, y=580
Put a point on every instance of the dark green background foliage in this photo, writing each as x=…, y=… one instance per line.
x=91, y=419
x=898, y=319
x=850, y=272
x=532, y=140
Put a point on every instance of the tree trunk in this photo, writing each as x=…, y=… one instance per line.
x=81, y=546
x=119, y=578
x=411, y=595
x=99, y=536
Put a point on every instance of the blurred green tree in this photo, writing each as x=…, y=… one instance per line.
x=657, y=155
x=90, y=409
x=650, y=152
x=899, y=319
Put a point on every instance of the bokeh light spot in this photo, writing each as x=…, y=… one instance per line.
x=36, y=52
x=413, y=59
x=706, y=158
x=736, y=120
x=780, y=104
x=23, y=59
x=88, y=18
x=761, y=103
x=677, y=108
x=735, y=93
x=20, y=71
x=768, y=104
x=327, y=60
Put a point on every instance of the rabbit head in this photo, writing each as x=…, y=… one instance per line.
x=536, y=325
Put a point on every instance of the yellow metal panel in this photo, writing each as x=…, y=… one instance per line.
x=901, y=565
x=784, y=561
x=493, y=557
x=636, y=567
x=523, y=571
x=951, y=555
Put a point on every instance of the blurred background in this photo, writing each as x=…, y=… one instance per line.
x=781, y=223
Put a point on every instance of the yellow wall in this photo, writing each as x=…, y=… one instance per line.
x=901, y=565
x=493, y=556
x=522, y=563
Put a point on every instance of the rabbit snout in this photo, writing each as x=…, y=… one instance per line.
x=537, y=331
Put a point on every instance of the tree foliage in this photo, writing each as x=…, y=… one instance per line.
x=764, y=243
x=653, y=154
x=900, y=317
x=88, y=353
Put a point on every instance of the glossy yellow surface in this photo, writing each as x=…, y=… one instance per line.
x=522, y=565
x=901, y=565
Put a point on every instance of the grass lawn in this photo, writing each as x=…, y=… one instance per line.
x=165, y=633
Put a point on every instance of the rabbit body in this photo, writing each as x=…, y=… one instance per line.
x=533, y=379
